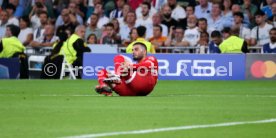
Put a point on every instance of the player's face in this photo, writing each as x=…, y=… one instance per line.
x=138, y=52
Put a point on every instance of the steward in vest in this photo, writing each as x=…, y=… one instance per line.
x=141, y=30
x=233, y=43
x=72, y=50
x=11, y=47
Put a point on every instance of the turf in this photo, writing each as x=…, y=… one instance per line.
x=53, y=108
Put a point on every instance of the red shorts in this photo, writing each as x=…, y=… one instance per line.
x=135, y=85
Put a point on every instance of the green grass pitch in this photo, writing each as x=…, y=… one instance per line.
x=53, y=108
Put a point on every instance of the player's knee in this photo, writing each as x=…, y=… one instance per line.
x=119, y=59
x=102, y=72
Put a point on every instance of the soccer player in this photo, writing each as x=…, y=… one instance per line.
x=130, y=79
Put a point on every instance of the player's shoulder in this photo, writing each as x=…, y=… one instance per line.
x=152, y=58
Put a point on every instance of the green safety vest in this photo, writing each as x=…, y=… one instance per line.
x=11, y=46
x=150, y=48
x=68, y=50
x=233, y=44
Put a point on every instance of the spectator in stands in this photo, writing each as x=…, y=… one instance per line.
x=116, y=25
x=167, y=18
x=46, y=5
x=203, y=25
x=271, y=46
x=260, y=33
x=141, y=30
x=92, y=39
x=34, y=16
x=4, y=17
x=11, y=47
x=177, y=11
x=75, y=10
x=81, y=8
x=249, y=9
x=26, y=32
x=122, y=20
x=12, y=19
x=130, y=23
x=191, y=34
x=91, y=7
x=233, y=43
x=244, y=31
x=156, y=20
x=272, y=19
x=47, y=39
x=102, y=18
x=226, y=9
x=70, y=23
x=268, y=8
x=183, y=22
x=92, y=27
x=157, y=39
x=203, y=43
x=133, y=35
x=118, y=12
x=19, y=8
x=176, y=37
x=43, y=18
x=145, y=19
x=73, y=15
x=152, y=10
x=237, y=8
x=110, y=37
x=216, y=41
x=203, y=10
x=215, y=20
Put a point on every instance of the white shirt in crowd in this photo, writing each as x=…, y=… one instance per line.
x=42, y=39
x=203, y=13
x=13, y=21
x=192, y=36
x=24, y=34
x=144, y=22
x=37, y=33
x=124, y=31
x=138, y=11
x=263, y=32
x=101, y=22
x=178, y=13
x=245, y=32
x=35, y=22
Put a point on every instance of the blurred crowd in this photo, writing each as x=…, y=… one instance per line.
x=168, y=23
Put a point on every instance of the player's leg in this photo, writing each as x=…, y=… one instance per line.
x=103, y=88
x=141, y=85
x=118, y=61
x=123, y=89
x=118, y=72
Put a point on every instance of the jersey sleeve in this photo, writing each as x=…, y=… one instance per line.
x=148, y=63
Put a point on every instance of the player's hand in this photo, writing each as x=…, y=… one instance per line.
x=125, y=68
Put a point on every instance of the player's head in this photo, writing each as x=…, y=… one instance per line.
x=139, y=51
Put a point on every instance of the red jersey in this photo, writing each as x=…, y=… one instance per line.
x=147, y=67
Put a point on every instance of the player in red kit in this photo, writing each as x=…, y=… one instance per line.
x=130, y=79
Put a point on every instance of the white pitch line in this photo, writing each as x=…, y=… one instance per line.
x=172, y=129
x=171, y=95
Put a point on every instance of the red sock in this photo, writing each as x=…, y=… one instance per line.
x=102, y=74
x=118, y=60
